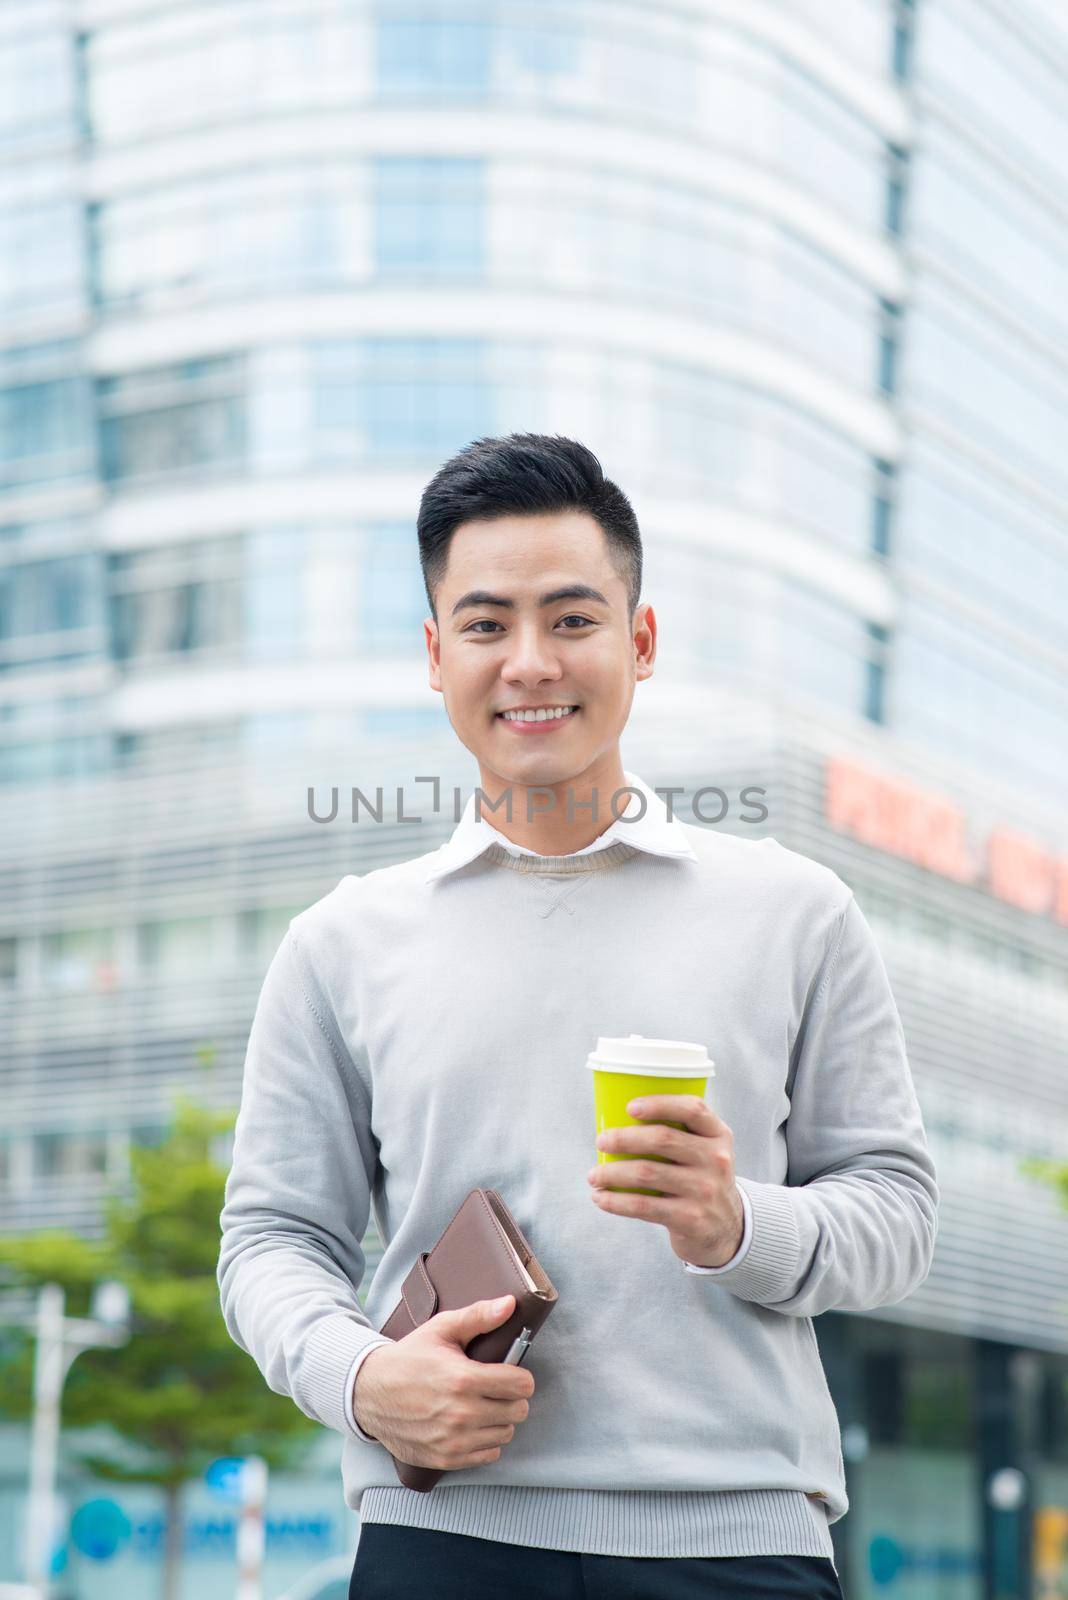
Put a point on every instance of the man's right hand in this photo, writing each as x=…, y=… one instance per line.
x=433, y=1406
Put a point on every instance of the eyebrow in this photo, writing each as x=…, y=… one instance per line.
x=572, y=591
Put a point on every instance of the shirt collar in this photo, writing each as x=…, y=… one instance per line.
x=655, y=832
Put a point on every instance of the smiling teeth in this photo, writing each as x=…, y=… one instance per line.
x=538, y=716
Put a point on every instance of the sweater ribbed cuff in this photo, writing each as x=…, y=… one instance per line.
x=329, y=1352
x=769, y=1269
x=350, y=1391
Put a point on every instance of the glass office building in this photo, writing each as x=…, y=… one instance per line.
x=264, y=264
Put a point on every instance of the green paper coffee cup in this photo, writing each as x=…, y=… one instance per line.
x=623, y=1069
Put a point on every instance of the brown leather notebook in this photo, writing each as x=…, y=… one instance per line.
x=482, y=1255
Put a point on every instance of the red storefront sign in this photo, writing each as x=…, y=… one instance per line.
x=896, y=816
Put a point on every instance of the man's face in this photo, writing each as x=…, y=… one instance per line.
x=577, y=650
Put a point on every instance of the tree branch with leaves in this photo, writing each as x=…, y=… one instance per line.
x=180, y=1393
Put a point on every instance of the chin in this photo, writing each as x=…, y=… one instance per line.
x=534, y=767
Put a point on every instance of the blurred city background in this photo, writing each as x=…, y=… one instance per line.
x=797, y=272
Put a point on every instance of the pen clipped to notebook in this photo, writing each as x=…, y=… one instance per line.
x=519, y=1348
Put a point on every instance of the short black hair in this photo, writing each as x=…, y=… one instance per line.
x=531, y=474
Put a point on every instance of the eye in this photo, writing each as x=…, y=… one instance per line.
x=488, y=622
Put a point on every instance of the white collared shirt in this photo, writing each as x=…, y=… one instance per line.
x=653, y=830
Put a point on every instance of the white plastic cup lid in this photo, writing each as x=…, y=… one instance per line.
x=673, y=1058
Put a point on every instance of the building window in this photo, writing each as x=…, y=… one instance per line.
x=79, y=959
x=42, y=760
x=895, y=191
x=171, y=67
x=45, y=431
x=40, y=258
x=148, y=1135
x=999, y=233
x=399, y=397
x=69, y=1155
x=37, y=98
x=180, y=947
x=45, y=606
x=260, y=931
x=964, y=689
x=875, y=689
x=882, y=508
x=988, y=70
x=901, y=52
x=394, y=602
x=824, y=650
x=274, y=734
x=429, y=216
x=275, y=613
x=421, y=53
x=889, y=337
x=823, y=144
x=401, y=722
x=1003, y=393
x=280, y=228
x=182, y=747
x=181, y=599
x=171, y=419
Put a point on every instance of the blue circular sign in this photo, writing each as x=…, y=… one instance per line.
x=98, y=1528
x=884, y=1559
x=223, y=1477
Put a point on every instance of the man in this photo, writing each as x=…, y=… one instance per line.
x=423, y=1029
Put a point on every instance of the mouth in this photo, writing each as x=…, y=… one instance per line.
x=538, y=724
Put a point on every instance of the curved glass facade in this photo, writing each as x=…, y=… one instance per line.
x=717, y=196
x=516, y=225
x=380, y=400
x=980, y=660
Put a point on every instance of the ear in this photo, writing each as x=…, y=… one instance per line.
x=433, y=650
x=644, y=641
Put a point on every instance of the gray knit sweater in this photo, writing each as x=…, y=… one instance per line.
x=423, y=1029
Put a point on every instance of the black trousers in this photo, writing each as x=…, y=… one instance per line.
x=400, y=1563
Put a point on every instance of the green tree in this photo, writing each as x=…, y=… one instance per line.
x=1052, y=1175
x=180, y=1393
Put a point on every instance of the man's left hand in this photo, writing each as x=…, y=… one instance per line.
x=700, y=1205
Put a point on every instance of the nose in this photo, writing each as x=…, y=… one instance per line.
x=531, y=658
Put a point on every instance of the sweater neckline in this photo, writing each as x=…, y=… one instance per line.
x=605, y=860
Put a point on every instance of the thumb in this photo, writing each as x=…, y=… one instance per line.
x=463, y=1323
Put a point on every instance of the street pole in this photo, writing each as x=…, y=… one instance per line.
x=49, y=1372
x=250, y=1531
x=60, y=1339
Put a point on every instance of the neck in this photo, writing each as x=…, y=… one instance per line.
x=559, y=817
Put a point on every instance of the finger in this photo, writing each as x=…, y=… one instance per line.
x=671, y=1176
x=696, y=1113
x=642, y=1207
x=495, y=1381
x=502, y=1406
x=495, y=1433
x=511, y=1413
x=679, y=1146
